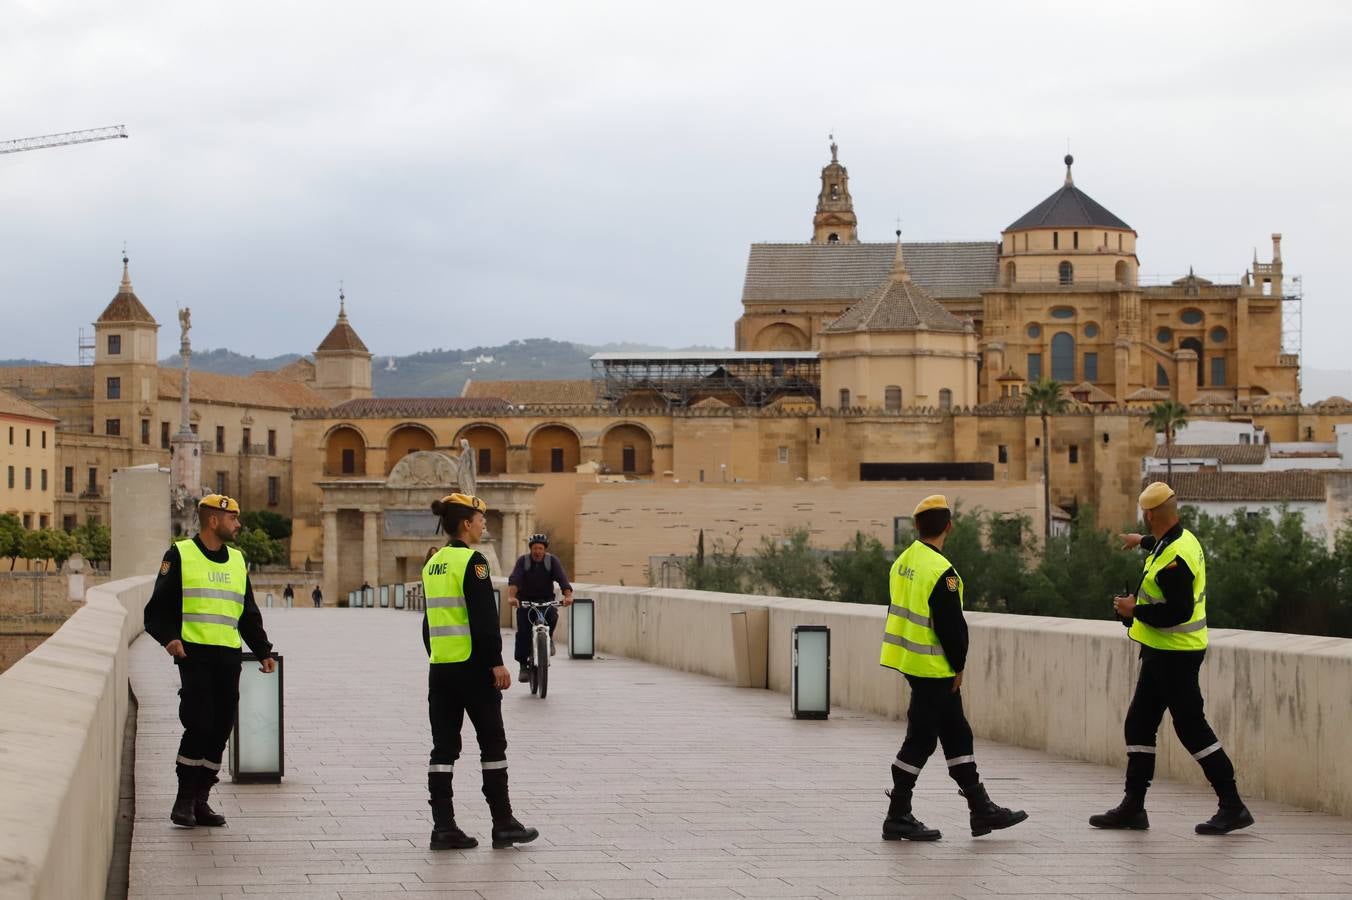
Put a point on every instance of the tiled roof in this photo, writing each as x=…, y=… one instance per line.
x=1146, y=393
x=1225, y=454
x=778, y=273
x=1088, y=392
x=10, y=405
x=125, y=307
x=1248, y=487
x=414, y=408
x=1069, y=207
x=556, y=392
x=298, y=370
x=267, y=391
x=898, y=304
x=69, y=380
x=341, y=336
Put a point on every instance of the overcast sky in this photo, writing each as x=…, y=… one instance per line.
x=481, y=172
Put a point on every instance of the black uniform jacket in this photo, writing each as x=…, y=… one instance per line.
x=484, y=634
x=946, y=617
x=164, y=612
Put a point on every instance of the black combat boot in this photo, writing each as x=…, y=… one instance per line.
x=182, y=814
x=509, y=831
x=204, y=814
x=900, y=825
x=1130, y=813
x=506, y=829
x=446, y=835
x=1232, y=816
x=986, y=816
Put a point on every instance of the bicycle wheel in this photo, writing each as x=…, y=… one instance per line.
x=542, y=660
x=534, y=677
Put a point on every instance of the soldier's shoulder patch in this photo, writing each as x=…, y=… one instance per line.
x=164, y=567
x=481, y=571
x=952, y=583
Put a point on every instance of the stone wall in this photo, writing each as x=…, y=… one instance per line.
x=63, y=709
x=1280, y=703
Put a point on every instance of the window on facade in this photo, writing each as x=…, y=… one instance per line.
x=1105, y=438
x=43, y=480
x=1066, y=273
x=892, y=398
x=193, y=428
x=783, y=454
x=1002, y=453
x=1218, y=335
x=1161, y=376
x=1218, y=371
x=1034, y=330
x=93, y=479
x=556, y=459
x=1164, y=335
x=485, y=461
x=222, y=482
x=1034, y=367
x=844, y=398
x=70, y=479
x=11, y=478
x=833, y=238
x=274, y=490
x=145, y=432
x=44, y=440
x=1056, y=240
x=67, y=523
x=1076, y=241
x=1091, y=330
x=628, y=461
x=112, y=426
x=1191, y=316
x=114, y=344
x=349, y=461
x=1119, y=243
x=1063, y=357
x=11, y=435
x=114, y=388
x=27, y=478
x=1091, y=367
x=28, y=437
x=44, y=521
x=27, y=521
x=220, y=438
x=272, y=442
x=1062, y=312
x=1074, y=453
x=244, y=439
x=945, y=398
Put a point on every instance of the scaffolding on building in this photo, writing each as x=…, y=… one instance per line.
x=1293, y=327
x=86, y=349
x=682, y=379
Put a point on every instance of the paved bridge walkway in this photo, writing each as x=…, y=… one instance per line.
x=647, y=783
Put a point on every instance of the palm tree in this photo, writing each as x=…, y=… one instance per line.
x=1046, y=398
x=1168, y=416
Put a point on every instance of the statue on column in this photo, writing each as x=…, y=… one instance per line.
x=465, y=476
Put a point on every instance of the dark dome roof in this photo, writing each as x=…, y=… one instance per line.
x=1069, y=207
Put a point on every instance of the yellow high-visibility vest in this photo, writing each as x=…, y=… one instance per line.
x=909, y=642
x=1190, y=635
x=213, y=596
x=443, y=579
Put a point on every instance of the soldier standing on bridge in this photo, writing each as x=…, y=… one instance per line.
x=925, y=639
x=1168, y=619
x=201, y=606
x=465, y=675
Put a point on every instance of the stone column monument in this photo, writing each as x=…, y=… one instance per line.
x=185, y=469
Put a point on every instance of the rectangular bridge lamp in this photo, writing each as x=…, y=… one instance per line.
x=399, y=595
x=582, y=629
x=368, y=596
x=811, y=668
x=256, y=743
x=384, y=596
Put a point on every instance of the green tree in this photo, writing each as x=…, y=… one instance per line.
x=94, y=541
x=724, y=569
x=257, y=547
x=860, y=572
x=11, y=538
x=1167, y=416
x=1046, y=398
x=789, y=566
x=275, y=525
x=1083, y=570
x=45, y=544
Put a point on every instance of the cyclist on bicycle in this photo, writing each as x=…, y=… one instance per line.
x=533, y=579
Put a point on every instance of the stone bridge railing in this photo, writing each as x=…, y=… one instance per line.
x=1281, y=703
x=63, y=709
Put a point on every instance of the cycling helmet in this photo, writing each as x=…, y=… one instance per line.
x=538, y=538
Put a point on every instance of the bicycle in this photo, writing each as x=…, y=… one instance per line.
x=539, y=644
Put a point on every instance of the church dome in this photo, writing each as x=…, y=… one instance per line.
x=1069, y=207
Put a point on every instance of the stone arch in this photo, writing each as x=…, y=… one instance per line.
x=781, y=336
x=554, y=447
x=406, y=438
x=1011, y=273
x=1122, y=272
x=489, y=445
x=1195, y=345
x=627, y=448
x=344, y=451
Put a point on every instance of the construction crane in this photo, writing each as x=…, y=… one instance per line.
x=44, y=141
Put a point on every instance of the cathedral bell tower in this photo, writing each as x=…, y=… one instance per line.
x=834, y=222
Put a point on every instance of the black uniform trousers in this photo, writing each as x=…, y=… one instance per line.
x=523, y=630
x=1169, y=680
x=455, y=690
x=935, y=717
x=207, y=701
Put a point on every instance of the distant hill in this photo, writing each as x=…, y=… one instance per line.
x=23, y=362
x=442, y=373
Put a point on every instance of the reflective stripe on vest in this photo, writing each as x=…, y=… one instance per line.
x=213, y=596
x=1189, y=635
x=909, y=642
x=443, y=579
